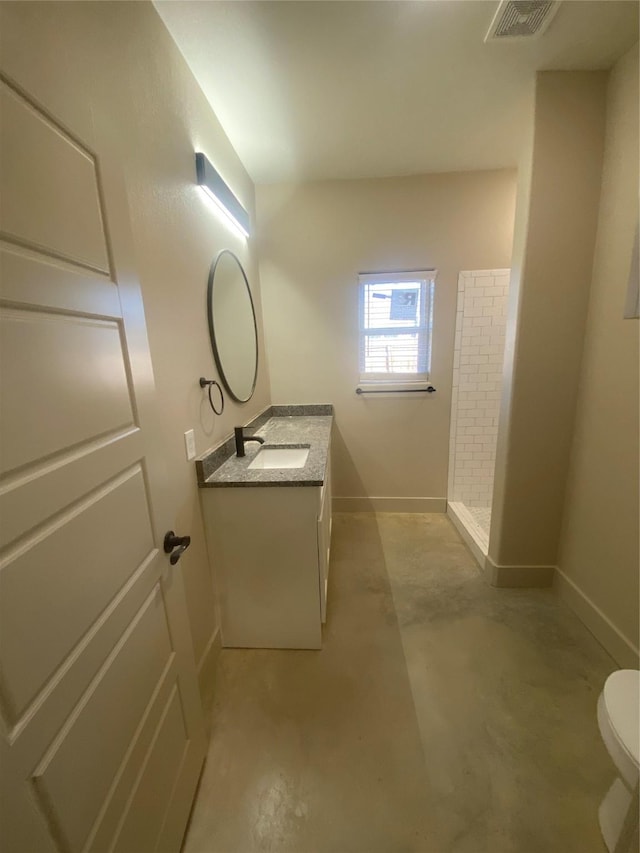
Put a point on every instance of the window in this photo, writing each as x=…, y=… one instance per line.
x=396, y=321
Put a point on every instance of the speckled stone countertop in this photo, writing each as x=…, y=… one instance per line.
x=301, y=426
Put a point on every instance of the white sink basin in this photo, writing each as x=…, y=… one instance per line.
x=280, y=457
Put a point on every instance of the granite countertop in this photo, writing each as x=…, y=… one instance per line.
x=297, y=426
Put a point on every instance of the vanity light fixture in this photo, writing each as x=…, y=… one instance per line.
x=215, y=187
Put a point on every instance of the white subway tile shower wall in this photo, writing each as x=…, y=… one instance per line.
x=477, y=378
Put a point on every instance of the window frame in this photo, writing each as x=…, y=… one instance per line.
x=383, y=381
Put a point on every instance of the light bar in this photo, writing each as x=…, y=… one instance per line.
x=213, y=184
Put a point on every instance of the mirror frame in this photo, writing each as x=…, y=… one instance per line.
x=212, y=336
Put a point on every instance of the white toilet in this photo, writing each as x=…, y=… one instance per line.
x=619, y=722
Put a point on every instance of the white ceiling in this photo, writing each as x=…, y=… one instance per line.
x=315, y=90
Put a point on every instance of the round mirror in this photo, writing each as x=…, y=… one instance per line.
x=232, y=326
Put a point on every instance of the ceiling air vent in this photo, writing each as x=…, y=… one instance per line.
x=520, y=19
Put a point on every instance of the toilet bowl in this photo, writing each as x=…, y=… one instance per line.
x=619, y=723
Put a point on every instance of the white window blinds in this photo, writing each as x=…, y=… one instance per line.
x=396, y=323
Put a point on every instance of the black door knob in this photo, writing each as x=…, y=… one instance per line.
x=175, y=545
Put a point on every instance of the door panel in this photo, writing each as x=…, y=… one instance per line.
x=76, y=373
x=32, y=278
x=158, y=778
x=74, y=781
x=102, y=725
x=115, y=813
x=29, y=497
x=55, y=588
x=39, y=157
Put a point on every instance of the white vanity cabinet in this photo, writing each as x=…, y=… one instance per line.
x=269, y=549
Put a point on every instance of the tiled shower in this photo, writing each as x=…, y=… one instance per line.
x=477, y=381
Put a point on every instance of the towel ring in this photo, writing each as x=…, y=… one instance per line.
x=207, y=383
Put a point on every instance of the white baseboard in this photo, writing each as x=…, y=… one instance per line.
x=619, y=647
x=207, y=670
x=418, y=505
x=518, y=576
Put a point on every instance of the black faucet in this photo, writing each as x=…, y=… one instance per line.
x=241, y=438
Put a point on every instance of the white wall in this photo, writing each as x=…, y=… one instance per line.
x=314, y=240
x=477, y=384
x=598, y=555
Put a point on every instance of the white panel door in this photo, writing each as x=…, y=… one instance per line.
x=102, y=739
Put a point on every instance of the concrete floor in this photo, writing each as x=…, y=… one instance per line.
x=441, y=715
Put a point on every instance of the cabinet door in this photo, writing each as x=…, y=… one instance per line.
x=263, y=545
x=324, y=539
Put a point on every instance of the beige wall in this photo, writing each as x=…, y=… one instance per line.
x=314, y=239
x=115, y=65
x=550, y=291
x=599, y=544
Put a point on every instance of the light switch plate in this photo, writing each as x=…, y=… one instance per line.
x=190, y=444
